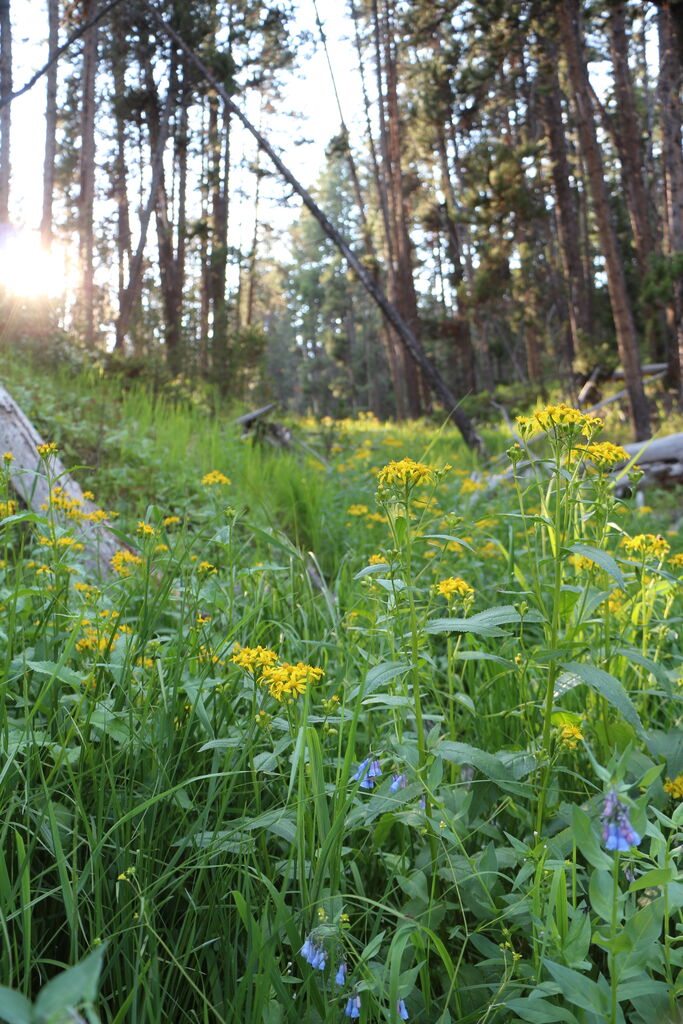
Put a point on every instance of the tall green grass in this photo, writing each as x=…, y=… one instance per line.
x=163, y=806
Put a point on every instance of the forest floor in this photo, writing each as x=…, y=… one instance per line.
x=350, y=734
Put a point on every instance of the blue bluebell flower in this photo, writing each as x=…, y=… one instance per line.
x=353, y=1007
x=402, y=1012
x=340, y=976
x=314, y=954
x=398, y=781
x=366, y=773
x=617, y=832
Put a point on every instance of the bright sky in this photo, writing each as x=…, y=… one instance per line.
x=308, y=92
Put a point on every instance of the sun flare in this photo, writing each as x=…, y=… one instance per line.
x=30, y=271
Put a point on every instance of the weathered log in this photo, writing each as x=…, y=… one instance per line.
x=29, y=481
x=660, y=460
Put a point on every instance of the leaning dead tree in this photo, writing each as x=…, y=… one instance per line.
x=408, y=338
x=30, y=482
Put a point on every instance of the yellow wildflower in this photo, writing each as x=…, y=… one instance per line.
x=7, y=457
x=605, y=454
x=145, y=530
x=45, y=450
x=454, y=586
x=123, y=561
x=647, y=545
x=676, y=561
x=251, y=658
x=570, y=736
x=357, y=510
x=215, y=477
x=376, y=560
x=171, y=521
x=285, y=682
x=7, y=508
x=561, y=421
x=207, y=567
x=674, y=787
x=406, y=473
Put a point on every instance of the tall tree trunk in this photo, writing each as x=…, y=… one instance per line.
x=119, y=182
x=566, y=209
x=5, y=112
x=670, y=34
x=46, y=226
x=86, y=197
x=629, y=136
x=572, y=39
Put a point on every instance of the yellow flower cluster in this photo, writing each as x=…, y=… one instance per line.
x=570, y=736
x=145, y=529
x=676, y=561
x=560, y=420
x=252, y=658
x=171, y=521
x=215, y=477
x=207, y=567
x=377, y=560
x=7, y=457
x=284, y=681
x=454, y=586
x=406, y=473
x=72, y=507
x=674, y=787
x=581, y=563
x=357, y=510
x=647, y=545
x=45, y=450
x=123, y=561
x=7, y=508
x=605, y=454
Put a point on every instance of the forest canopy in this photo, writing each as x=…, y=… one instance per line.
x=502, y=207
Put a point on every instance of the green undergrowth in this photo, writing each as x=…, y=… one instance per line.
x=351, y=731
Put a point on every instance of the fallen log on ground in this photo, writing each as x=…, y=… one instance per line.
x=29, y=481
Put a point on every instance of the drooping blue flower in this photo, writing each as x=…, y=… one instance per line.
x=398, y=781
x=353, y=1007
x=366, y=773
x=314, y=954
x=340, y=976
x=402, y=1012
x=617, y=832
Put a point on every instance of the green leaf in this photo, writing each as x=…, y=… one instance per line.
x=601, y=558
x=586, y=840
x=540, y=1011
x=488, y=764
x=601, y=889
x=14, y=1008
x=608, y=687
x=72, y=987
x=658, y=876
x=57, y=671
x=578, y=988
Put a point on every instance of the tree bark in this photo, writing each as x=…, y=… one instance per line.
x=86, y=197
x=669, y=87
x=566, y=217
x=5, y=112
x=46, y=227
x=568, y=18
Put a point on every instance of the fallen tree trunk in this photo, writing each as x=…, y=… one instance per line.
x=29, y=481
x=660, y=460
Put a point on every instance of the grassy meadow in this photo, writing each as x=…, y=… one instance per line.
x=356, y=731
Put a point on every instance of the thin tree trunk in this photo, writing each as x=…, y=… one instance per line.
x=46, y=226
x=5, y=112
x=566, y=208
x=567, y=12
x=669, y=86
x=389, y=311
x=86, y=197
